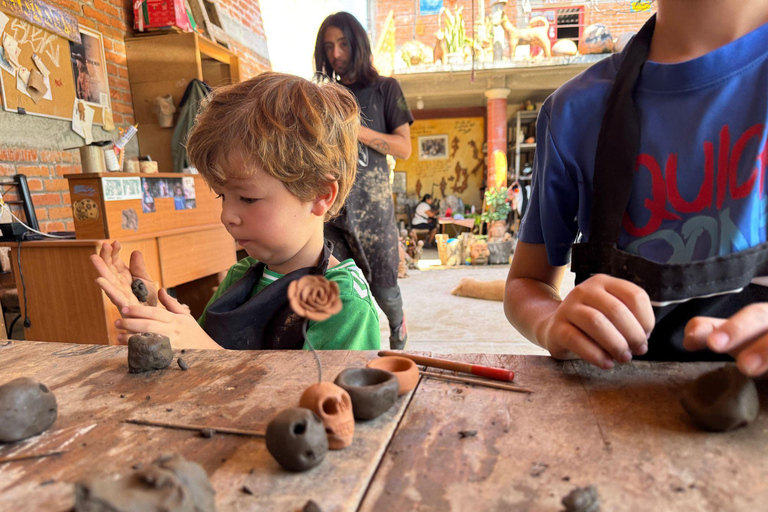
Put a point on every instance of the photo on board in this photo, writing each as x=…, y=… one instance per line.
x=89, y=68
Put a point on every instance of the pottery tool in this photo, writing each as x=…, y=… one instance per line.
x=29, y=457
x=478, y=382
x=454, y=366
x=199, y=428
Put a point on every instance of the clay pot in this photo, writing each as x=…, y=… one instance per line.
x=296, y=439
x=334, y=407
x=499, y=252
x=372, y=391
x=405, y=370
x=149, y=351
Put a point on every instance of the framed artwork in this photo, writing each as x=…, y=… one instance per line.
x=89, y=68
x=433, y=147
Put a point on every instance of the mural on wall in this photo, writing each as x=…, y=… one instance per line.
x=448, y=159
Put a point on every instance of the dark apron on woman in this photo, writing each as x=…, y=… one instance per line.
x=265, y=321
x=617, y=149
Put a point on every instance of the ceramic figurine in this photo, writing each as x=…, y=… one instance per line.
x=334, y=407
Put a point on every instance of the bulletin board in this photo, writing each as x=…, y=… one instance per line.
x=54, y=51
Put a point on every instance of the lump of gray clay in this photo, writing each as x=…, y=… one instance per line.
x=27, y=408
x=139, y=289
x=170, y=484
x=149, y=351
x=722, y=400
x=296, y=438
x=372, y=391
x=582, y=499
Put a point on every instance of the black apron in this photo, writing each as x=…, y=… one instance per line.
x=237, y=321
x=617, y=148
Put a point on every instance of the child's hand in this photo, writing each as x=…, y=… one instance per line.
x=175, y=321
x=744, y=336
x=115, y=278
x=601, y=320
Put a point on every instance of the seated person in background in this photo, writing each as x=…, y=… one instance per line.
x=424, y=218
x=281, y=153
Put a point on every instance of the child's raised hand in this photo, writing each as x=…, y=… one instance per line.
x=602, y=320
x=744, y=336
x=115, y=278
x=175, y=321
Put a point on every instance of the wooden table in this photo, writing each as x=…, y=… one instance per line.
x=455, y=224
x=622, y=431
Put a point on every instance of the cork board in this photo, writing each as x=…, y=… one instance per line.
x=54, y=52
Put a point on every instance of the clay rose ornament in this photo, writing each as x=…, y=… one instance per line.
x=314, y=298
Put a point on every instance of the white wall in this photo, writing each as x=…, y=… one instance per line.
x=291, y=28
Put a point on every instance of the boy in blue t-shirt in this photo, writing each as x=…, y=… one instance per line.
x=281, y=153
x=695, y=106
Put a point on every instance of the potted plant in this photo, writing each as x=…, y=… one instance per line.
x=497, y=209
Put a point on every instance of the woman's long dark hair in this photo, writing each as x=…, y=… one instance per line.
x=360, y=57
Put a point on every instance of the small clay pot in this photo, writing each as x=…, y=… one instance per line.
x=405, y=370
x=296, y=438
x=149, y=351
x=372, y=391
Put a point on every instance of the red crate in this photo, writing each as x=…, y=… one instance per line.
x=160, y=13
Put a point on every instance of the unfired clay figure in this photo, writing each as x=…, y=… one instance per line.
x=296, y=438
x=149, y=351
x=334, y=407
x=27, y=408
x=722, y=400
x=170, y=484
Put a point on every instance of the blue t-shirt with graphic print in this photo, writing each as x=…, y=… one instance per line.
x=698, y=189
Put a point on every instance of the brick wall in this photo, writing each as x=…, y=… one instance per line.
x=33, y=146
x=408, y=21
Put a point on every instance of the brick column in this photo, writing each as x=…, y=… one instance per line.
x=497, y=137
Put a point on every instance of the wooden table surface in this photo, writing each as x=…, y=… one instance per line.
x=622, y=431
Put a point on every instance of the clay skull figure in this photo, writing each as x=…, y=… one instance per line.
x=479, y=253
x=164, y=108
x=334, y=407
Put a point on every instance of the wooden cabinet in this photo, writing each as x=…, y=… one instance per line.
x=165, y=64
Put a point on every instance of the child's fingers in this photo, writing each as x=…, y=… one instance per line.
x=623, y=320
x=115, y=295
x=171, y=304
x=636, y=300
x=596, y=326
x=146, y=313
x=698, y=329
x=742, y=328
x=139, y=325
x=573, y=340
x=753, y=360
x=138, y=267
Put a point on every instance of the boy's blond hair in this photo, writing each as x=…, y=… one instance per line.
x=301, y=133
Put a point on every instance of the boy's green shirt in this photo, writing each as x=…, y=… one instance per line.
x=356, y=327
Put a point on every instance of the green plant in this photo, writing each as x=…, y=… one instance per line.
x=496, y=205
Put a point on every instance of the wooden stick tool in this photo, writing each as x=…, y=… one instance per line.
x=476, y=382
x=454, y=366
x=200, y=428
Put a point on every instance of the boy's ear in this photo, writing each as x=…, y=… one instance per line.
x=325, y=199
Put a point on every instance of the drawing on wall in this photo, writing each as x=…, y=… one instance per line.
x=443, y=184
x=477, y=156
x=433, y=147
x=454, y=146
x=89, y=68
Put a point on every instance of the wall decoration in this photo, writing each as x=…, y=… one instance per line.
x=147, y=198
x=89, y=68
x=121, y=189
x=433, y=147
x=43, y=15
x=85, y=209
x=465, y=165
x=427, y=7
